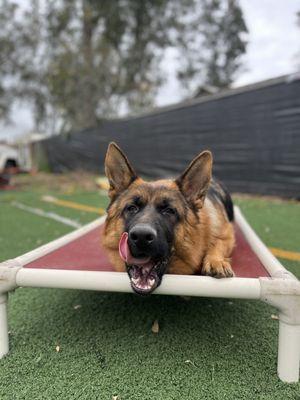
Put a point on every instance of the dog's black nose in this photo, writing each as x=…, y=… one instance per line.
x=142, y=236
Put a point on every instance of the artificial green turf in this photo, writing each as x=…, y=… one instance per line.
x=205, y=348
x=21, y=231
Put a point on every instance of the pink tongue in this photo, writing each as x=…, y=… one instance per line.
x=125, y=254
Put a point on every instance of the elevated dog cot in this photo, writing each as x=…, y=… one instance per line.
x=77, y=261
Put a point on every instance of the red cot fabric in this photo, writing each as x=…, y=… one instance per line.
x=86, y=254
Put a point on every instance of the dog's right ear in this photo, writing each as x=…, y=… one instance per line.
x=195, y=180
x=118, y=170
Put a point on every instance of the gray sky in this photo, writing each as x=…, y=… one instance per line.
x=274, y=42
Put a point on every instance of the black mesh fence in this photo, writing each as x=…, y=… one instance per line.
x=253, y=132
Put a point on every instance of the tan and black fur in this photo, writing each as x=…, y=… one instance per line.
x=202, y=234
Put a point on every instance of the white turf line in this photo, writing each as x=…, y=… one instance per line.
x=47, y=214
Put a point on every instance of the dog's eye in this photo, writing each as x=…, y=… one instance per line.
x=169, y=211
x=132, y=209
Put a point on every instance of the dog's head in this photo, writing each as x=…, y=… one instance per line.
x=144, y=217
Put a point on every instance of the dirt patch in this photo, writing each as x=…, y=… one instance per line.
x=66, y=183
x=70, y=182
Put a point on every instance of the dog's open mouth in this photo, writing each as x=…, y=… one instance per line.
x=144, y=273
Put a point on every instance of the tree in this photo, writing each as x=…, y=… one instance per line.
x=79, y=61
x=214, y=44
x=10, y=49
x=19, y=39
x=104, y=55
x=86, y=59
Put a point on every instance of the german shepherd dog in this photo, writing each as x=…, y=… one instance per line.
x=181, y=226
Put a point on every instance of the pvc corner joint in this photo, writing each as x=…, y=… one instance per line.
x=283, y=292
x=8, y=272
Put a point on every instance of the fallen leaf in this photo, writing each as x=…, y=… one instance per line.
x=274, y=316
x=190, y=362
x=57, y=348
x=155, y=327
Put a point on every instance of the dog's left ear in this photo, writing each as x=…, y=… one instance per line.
x=195, y=180
x=118, y=170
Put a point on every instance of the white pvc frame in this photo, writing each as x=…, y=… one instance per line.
x=282, y=290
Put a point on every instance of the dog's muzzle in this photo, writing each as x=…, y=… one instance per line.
x=145, y=273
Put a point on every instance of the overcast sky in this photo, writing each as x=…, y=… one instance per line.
x=274, y=42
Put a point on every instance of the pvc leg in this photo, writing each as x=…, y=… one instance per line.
x=288, y=352
x=3, y=325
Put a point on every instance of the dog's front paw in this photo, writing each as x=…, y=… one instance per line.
x=217, y=268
